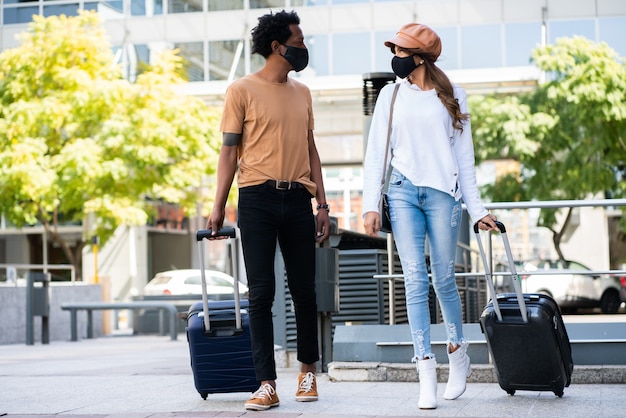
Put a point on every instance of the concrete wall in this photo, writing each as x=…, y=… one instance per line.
x=586, y=239
x=13, y=312
x=124, y=259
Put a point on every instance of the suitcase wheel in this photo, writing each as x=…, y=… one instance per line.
x=511, y=392
x=559, y=394
x=204, y=395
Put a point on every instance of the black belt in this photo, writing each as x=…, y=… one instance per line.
x=285, y=185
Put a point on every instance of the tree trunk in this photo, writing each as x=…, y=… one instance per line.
x=74, y=256
x=558, y=235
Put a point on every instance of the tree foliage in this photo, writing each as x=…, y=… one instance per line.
x=569, y=135
x=79, y=142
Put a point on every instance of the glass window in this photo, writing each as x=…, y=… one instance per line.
x=60, y=9
x=193, y=280
x=343, y=192
x=573, y=265
x=382, y=54
x=356, y=211
x=19, y=14
x=318, y=54
x=480, y=46
x=115, y=5
x=146, y=7
x=351, y=53
x=568, y=28
x=193, y=60
x=18, y=1
x=138, y=7
x=142, y=53
x=132, y=59
x=449, y=59
x=184, y=6
x=222, y=55
x=215, y=5
x=521, y=39
x=91, y=6
x=613, y=32
x=265, y=4
x=332, y=172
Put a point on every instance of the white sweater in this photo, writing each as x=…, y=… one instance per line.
x=426, y=149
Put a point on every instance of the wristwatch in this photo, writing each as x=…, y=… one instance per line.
x=323, y=206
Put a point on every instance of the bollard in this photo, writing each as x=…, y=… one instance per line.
x=327, y=291
x=37, y=303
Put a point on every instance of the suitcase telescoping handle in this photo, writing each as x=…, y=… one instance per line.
x=200, y=236
x=514, y=276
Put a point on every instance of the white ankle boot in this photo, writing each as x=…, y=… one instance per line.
x=460, y=370
x=428, y=383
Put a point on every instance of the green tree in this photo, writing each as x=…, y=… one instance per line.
x=569, y=135
x=79, y=142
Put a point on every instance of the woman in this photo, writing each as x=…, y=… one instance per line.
x=432, y=159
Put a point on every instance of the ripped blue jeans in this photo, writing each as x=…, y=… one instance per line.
x=417, y=213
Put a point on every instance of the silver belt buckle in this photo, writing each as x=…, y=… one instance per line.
x=283, y=185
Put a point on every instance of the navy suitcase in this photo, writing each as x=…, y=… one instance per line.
x=525, y=335
x=220, y=348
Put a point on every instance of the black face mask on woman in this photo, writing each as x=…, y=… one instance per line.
x=402, y=67
x=297, y=57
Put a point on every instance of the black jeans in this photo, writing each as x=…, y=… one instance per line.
x=265, y=215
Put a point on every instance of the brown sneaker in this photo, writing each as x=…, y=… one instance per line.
x=264, y=398
x=307, y=387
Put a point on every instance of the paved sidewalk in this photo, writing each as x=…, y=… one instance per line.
x=150, y=376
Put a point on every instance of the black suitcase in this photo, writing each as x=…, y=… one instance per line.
x=525, y=335
x=220, y=348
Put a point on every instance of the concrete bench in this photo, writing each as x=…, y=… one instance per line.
x=74, y=307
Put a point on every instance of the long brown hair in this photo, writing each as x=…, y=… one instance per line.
x=444, y=89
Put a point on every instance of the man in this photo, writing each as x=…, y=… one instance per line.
x=267, y=131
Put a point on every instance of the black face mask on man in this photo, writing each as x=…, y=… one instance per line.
x=297, y=57
x=402, y=67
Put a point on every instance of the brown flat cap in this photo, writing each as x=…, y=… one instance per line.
x=417, y=36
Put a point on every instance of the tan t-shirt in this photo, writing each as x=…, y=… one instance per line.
x=274, y=120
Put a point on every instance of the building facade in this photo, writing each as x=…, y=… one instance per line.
x=486, y=48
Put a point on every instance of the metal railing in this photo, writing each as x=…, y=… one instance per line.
x=392, y=277
x=45, y=268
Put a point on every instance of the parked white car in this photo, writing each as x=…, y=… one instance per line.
x=571, y=289
x=220, y=286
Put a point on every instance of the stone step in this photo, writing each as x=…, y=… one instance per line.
x=593, y=343
x=340, y=371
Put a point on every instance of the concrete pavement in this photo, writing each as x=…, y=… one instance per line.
x=149, y=376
